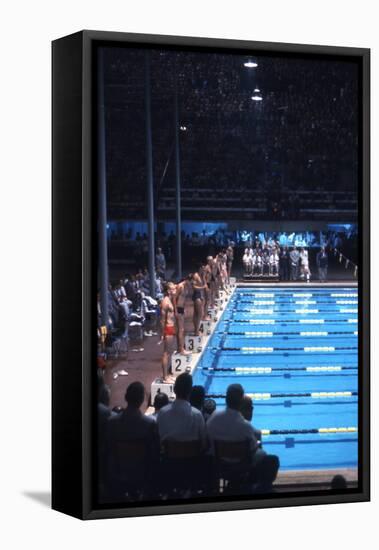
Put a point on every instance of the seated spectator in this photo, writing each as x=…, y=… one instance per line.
x=197, y=398
x=179, y=421
x=103, y=415
x=208, y=408
x=160, y=401
x=338, y=482
x=267, y=470
x=229, y=424
x=131, y=423
x=247, y=409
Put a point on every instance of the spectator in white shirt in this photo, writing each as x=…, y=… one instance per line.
x=178, y=421
x=229, y=424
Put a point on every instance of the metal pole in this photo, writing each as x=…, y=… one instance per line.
x=102, y=193
x=149, y=171
x=178, y=189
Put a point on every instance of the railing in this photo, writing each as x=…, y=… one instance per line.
x=348, y=263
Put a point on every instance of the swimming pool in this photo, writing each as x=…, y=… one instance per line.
x=295, y=351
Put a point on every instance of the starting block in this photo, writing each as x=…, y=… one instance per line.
x=205, y=327
x=180, y=363
x=158, y=386
x=219, y=302
x=193, y=343
x=213, y=313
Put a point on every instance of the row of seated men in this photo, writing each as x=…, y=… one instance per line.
x=183, y=449
x=279, y=261
x=260, y=262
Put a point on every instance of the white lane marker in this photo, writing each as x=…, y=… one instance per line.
x=352, y=320
x=259, y=395
x=348, y=310
x=312, y=321
x=302, y=311
x=261, y=321
x=253, y=369
x=313, y=333
x=332, y=394
x=257, y=349
x=303, y=295
x=261, y=311
x=323, y=369
x=346, y=302
x=319, y=348
x=349, y=295
x=306, y=302
x=264, y=302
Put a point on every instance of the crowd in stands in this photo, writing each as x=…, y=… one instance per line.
x=222, y=237
x=301, y=138
x=184, y=449
x=198, y=244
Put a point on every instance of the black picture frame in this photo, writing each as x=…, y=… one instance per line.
x=74, y=274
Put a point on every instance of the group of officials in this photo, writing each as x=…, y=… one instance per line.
x=287, y=264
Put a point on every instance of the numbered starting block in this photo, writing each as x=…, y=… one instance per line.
x=180, y=363
x=193, y=343
x=219, y=302
x=232, y=281
x=213, y=314
x=158, y=386
x=205, y=327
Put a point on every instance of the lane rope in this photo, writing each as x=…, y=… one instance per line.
x=350, y=429
x=307, y=349
x=320, y=368
x=314, y=395
x=301, y=333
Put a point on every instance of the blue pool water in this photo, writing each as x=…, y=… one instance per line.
x=292, y=344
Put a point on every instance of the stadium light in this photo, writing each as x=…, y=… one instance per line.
x=183, y=128
x=256, y=98
x=250, y=64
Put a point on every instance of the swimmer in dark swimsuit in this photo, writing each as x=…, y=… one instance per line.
x=213, y=280
x=198, y=287
x=182, y=289
x=206, y=273
x=229, y=260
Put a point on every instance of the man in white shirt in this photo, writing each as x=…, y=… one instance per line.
x=229, y=424
x=178, y=421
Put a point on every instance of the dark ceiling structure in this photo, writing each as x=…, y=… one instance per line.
x=278, y=140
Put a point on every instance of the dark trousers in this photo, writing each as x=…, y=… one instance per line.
x=283, y=271
x=294, y=272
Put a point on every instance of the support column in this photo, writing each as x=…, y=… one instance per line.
x=178, y=188
x=149, y=172
x=102, y=192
